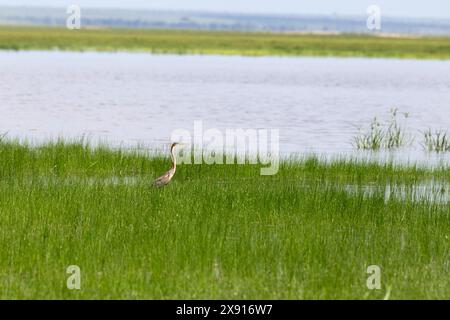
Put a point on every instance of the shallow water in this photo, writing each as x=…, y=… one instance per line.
x=132, y=98
x=431, y=192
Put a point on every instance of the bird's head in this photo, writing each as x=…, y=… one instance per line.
x=174, y=145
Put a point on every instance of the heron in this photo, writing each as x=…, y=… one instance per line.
x=166, y=177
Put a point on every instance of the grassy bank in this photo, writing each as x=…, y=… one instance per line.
x=218, y=231
x=228, y=43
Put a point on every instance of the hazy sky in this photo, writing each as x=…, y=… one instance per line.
x=407, y=8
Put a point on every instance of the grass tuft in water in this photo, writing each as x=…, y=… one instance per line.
x=390, y=135
x=437, y=141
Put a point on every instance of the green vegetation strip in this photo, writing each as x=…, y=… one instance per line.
x=215, y=232
x=227, y=43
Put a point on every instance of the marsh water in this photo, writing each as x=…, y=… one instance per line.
x=137, y=98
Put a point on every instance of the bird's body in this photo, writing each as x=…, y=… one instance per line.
x=166, y=177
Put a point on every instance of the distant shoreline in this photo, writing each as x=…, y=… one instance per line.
x=225, y=42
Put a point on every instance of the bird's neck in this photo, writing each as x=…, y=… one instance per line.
x=174, y=158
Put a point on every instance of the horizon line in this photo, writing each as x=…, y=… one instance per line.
x=231, y=12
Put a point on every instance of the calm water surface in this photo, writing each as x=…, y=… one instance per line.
x=131, y=98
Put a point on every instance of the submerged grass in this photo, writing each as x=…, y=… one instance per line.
x=227, y=43
x=390, y=135
x=217, y=231
x=437, y=141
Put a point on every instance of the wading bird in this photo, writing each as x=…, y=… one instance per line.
x=166, y=177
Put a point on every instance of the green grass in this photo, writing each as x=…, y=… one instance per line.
x=228, y=43
x=217, y=231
